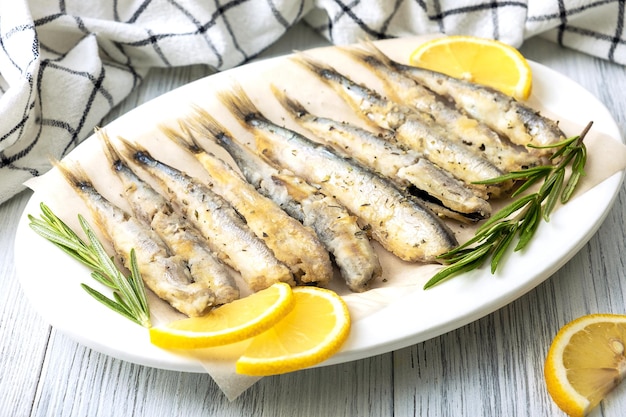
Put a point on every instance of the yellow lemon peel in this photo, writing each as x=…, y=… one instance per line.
x=483, y=61
x=586, y=361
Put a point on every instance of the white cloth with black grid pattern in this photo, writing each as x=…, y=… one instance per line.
x=64, y=64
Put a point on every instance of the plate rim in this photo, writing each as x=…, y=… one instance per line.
x=170, y=361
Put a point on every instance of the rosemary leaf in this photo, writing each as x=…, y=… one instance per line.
x=528, y=225
x=105, y=264
x=70, y=243
x=578, y=171
x=554, y=196
x=502, y=246
x=560, y=146
x=119, y=300
x=110, y=303
x=472, y=261
x=529, y=183
x=137, y=282
x=533, y=172
x=570, y=186
x=129, y=297
x=102, y=279
x=504, y=213
x=522, y=217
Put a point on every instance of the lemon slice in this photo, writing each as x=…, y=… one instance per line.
x=483, y=61
x=241, y=319
x=586, y=361
x=313, y=331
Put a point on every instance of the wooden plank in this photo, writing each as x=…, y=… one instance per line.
x=24, y=335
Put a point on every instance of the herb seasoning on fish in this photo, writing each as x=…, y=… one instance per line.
x=414, y=129
x=398, y=222
x=519, y=123
x=405, y=167
x=292, y=243
x=176, y=231
x=338, y=230
x=468, y=131
x=226, y=232
x=162, y=272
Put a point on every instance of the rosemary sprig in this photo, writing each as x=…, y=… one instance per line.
x=129, y=295
x=521, y=217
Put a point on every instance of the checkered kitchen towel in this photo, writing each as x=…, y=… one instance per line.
x=65, y=63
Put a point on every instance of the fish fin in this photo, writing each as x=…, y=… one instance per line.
x=205, y=124
x=320, y=69
x=183, y=137
x=240, y=105
x=134, y=152
x=290, y=104
x=74, y=174
x=79, y=181
x=110, y=151
x=369, y=54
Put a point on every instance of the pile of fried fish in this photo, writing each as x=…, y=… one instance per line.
x=298, y=205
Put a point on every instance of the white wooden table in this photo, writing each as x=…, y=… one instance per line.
x=492, y=367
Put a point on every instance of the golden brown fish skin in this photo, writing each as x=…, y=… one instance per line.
x=257, y=171
x=397, y=222
x=404, y=166
x=173, y=228
x=162, y=272
x=353, y=252
x=226, y=232
x=338, y=231
x=470, y=132
x=414, y=129
x=293, y=244
x=508, y=117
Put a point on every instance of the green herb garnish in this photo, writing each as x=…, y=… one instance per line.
x=521, y=217
x=129, y=295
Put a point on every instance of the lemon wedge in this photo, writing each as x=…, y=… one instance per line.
x=587, y=360
x=233, y=322
x=310, y=333
x=483, y=61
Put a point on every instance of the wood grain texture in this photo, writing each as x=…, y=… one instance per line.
x=492, y=367
x=23, y=334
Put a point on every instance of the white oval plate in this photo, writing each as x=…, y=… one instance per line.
x=51, y=279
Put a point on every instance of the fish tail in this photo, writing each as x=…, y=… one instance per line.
x=240, y=105
x=77, y=178
x=183, y=137
x=112, y=154
x=323, y=71
x=328, y=74
x=208, y=126
x=135, y=152
x=290, y=104
x=369, y=54
x=205, y=124
x=358, y=96
x=74, y=175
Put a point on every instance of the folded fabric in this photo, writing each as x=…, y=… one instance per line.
x=64, y=65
